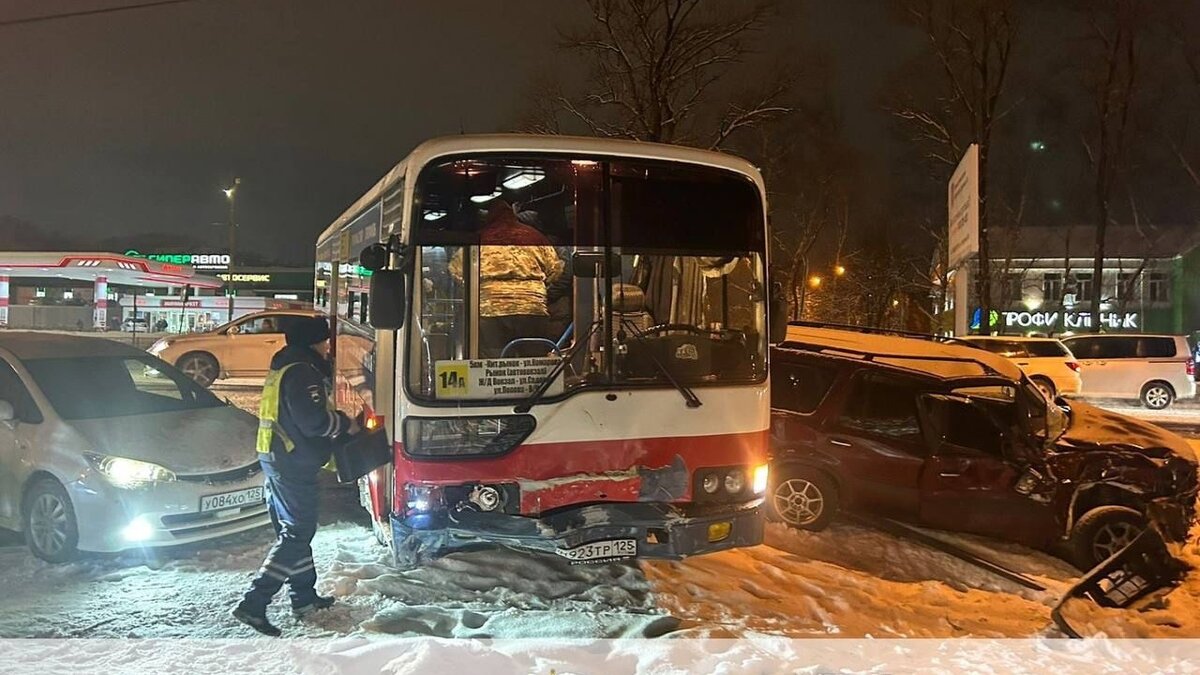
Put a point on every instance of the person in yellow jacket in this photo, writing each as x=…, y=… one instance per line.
x=298, y=427
x=516, y=263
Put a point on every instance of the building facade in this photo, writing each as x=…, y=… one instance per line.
x=1043, y=281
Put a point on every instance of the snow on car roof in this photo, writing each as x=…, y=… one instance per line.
x=1007, y=338
x=942, y=359
x=26, y=345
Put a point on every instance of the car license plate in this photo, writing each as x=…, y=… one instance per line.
x=600, y=551
x=231, y=500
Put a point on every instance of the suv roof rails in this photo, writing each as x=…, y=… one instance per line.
x=874, y=355
x=881, y=331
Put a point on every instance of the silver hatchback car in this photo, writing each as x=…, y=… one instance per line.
x=106, y=448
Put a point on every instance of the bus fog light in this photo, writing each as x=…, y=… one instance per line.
x=711, y=483
x=719, y=531
x=734, y=482
x=759, y=483
x=138, y=529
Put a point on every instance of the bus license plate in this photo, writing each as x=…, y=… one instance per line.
x=600, y=551
x=231, y=500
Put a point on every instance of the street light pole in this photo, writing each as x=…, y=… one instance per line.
x=231, y=193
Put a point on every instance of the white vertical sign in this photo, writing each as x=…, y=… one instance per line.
x=963, y=208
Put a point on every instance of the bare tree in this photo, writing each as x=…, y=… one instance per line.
x=1116, y=27
x=971, y=42
x=658, y=70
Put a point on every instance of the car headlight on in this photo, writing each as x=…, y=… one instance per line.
x=436, y=437
x=711, y=483
x=129, y=473
x=159, y=347
x=759, y=483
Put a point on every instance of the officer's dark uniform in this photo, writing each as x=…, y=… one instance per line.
x=297, y=428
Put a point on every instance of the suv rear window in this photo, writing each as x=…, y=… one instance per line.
x=1045, y=348
x=799, y=387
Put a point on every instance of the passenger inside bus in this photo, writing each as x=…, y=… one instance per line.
x=516, y=263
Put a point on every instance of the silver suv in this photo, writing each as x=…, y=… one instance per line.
x=1155, y=369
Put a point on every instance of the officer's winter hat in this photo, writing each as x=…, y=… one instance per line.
x=307, y=331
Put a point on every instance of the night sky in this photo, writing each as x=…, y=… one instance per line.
x=131, y=122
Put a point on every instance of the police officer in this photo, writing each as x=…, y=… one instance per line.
x=298, y=426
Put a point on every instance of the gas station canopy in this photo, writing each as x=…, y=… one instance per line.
x=99, y=267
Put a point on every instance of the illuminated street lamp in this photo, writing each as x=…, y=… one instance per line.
x=231, y=195
x=839, y=271
x=814, y=281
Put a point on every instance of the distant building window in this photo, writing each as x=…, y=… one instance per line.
x=1127, y=286
x=1052, y=287
x=1083, y=287
x=1013, y=287
x=39, y=292
x=1158, y=287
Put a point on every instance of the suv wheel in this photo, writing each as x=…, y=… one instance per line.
x=1157, y=395
x=51, y=530
x=200, y=367
x=803, y=497
x=1047, y=387
x=1102, y=532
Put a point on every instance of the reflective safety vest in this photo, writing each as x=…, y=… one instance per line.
x=268, y=413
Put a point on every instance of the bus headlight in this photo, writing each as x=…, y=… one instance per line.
x=434, y=437
x=734, y=481
x=711, y=483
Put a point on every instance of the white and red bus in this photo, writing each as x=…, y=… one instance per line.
x=623, y=412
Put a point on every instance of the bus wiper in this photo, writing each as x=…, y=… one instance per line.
x=544, y=386
x=693, y=401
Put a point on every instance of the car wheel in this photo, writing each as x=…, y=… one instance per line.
x=803, y=497
x=1046, y=386
x=1102, y=532
x=1157, y=395
x=200, y=367
x=51, y=530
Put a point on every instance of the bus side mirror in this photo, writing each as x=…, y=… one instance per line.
x=389, y=304
x=777, y=312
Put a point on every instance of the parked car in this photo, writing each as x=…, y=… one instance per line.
x=242, y=348
x=957, y=438
x=1154, y=369
x=97, y=456
x=1047, y=361
x=139, y=324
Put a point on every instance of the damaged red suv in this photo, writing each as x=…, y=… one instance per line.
x=951, y=437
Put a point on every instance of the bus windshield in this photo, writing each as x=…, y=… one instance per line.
x=636, y=272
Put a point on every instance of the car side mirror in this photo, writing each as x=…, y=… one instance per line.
x=389, y=302
x=7, y=412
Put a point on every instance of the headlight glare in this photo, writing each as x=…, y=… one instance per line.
x=759, y=483
x=129, y=473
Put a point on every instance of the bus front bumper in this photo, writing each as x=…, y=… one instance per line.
x=660, y=531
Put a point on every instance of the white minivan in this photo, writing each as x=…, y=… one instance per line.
x=1155, y=369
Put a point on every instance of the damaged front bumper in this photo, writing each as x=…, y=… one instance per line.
x=662, y=531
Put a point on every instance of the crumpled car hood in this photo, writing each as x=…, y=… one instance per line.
x=1093, y=428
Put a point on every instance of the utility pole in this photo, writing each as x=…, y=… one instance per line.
x=230, y=289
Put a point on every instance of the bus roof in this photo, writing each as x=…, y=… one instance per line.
x=569, y=145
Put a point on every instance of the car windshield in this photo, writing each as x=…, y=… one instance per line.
x=94, y=387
